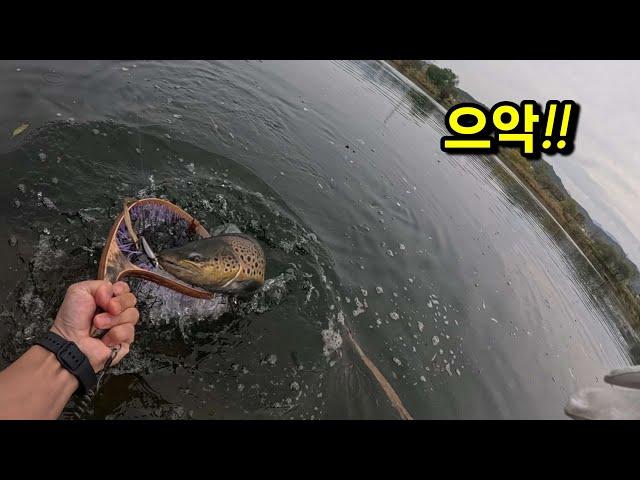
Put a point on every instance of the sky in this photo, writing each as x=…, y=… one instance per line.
x=603, y=172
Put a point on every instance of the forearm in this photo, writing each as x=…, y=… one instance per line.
x=35, y=386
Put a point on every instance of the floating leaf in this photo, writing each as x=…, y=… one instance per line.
x=20, y=129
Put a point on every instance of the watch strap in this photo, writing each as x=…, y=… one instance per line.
x=72, y=359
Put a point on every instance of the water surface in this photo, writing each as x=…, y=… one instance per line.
x=486, y=309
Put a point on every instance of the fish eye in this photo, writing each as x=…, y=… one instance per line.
x=196, y=257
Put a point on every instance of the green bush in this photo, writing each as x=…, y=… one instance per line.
x=442, y=78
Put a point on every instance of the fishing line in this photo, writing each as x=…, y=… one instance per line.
x=388, y=390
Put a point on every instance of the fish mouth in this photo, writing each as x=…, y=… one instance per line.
x=171, y=265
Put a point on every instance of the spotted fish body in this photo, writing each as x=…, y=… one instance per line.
x=231, y=263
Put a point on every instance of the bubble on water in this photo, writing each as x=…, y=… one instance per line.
x=435, y=340
x=397, y=361
x=95, y=131
x=360, y=308
x=420, y=325
x=272, y=359
x=124, y=69
x=42, y=156
x=295, y=386
x=390, y=253
x=191, y=167
x=340, y=317
x=394, y=316
x=364, y=292
x=332, y=340
x=402, y=247
x=49, y=203
x=379, y=290
x=448, y=369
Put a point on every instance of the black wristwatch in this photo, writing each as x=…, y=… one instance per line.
x=72, y=359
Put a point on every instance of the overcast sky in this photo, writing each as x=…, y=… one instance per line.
x=603, y=173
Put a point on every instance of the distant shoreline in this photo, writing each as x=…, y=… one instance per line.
x=603, y=253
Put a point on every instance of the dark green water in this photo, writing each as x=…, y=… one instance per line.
x=487, y=309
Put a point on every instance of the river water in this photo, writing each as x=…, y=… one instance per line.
x=457, y=285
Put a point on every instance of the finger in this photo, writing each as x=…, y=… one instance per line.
x=102, y=360
x=120, y=287
x=100, y=288
x=120, y=303
x=105, y=320
x=124, y=349
x=120, y=334
x=98, y=355
x=103, y=295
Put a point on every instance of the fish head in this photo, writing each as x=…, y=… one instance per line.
x=230, y=263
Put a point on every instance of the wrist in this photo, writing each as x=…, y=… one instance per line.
x=83, y=344
x=70, y=358
x=71, y=336
x=51, y=368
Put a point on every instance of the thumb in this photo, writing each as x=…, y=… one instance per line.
x=97, y=353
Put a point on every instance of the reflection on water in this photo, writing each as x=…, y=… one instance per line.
x=460, y=288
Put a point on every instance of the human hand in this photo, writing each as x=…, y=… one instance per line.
x=78, y=312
